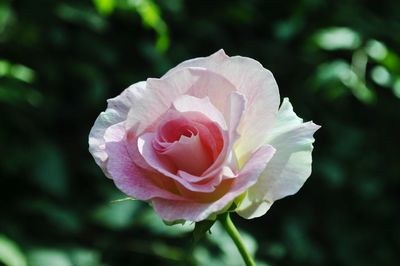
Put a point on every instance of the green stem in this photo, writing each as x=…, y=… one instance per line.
x=234, y=234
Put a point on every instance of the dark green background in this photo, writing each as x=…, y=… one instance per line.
x=338, y=61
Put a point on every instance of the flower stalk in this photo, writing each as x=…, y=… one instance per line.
x=235, y=236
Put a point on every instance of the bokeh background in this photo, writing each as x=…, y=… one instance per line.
x=338, y=61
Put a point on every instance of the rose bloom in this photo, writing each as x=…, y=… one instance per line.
x=207, y=134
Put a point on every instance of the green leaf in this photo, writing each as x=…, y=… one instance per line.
x=150, y=13
x=377, y=50
x=177, y=222
x=121, y=200
x=10, y=254
x=104, y=7
x=85, y=257
x=54, y=257
x=381, y=76
x=201, y=228
x=337, y=38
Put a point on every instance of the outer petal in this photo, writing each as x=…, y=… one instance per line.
x=171, y=210
x=211, y=62
x=159, y=94
x=129, y=178
x=288, y=169
x=256, y=83
x=253, y=208
x=117, y=111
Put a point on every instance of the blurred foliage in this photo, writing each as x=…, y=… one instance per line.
x=338, y=61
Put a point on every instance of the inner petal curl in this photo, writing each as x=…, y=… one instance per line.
x=188, y=143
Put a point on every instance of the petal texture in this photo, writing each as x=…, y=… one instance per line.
x=117, y=111
x=172, y=210
x=129, y=178
x=288, y=169
x=258, y=86
x=159, y=94
x=187, y=103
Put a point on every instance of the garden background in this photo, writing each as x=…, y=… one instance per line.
x=338, y=61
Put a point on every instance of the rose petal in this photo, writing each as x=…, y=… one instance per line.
x=212, y=62
x=131, y=145
x=187, y=103
x=234, y=112
x=165, y=167
x=172, y=210
x=117, y=111
x=253, y=209
x=159, y=94
x=225, y=171
x=258, y=86
x=289, y=168
x=210, y=134
x=189, y=155
x=129, y=178
x=216, y=89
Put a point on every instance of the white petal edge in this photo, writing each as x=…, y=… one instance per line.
x=290, y=167
x=116, y=112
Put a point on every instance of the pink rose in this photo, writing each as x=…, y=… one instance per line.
x=208, y=133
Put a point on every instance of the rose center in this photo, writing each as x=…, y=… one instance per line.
x=187, y=144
